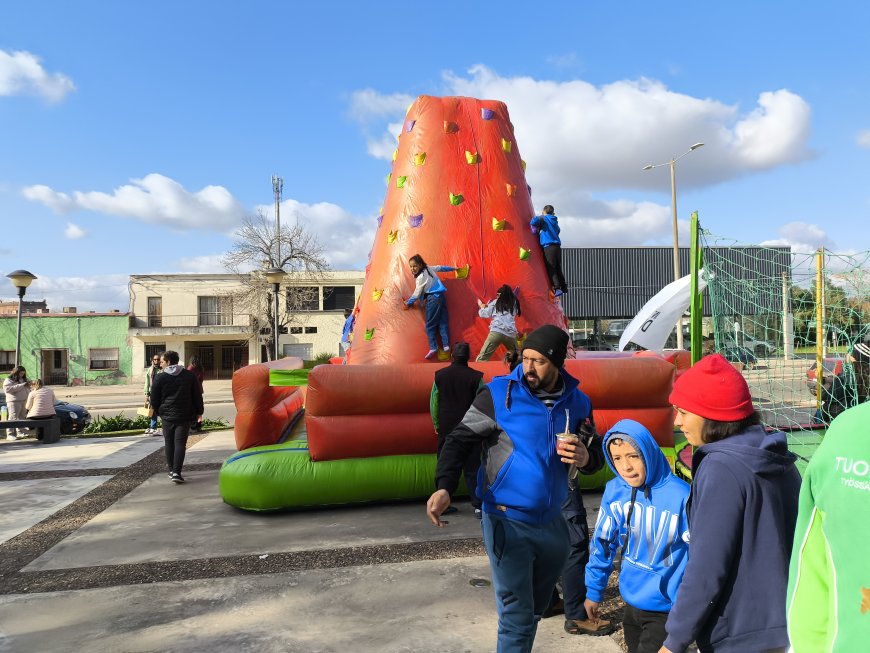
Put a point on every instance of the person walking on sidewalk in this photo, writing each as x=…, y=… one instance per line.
x=524, y=478
x=196, y=368
x=17, y=387
x=177, y=398
x=150, y=374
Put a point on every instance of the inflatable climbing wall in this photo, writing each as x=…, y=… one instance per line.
x=456, y=195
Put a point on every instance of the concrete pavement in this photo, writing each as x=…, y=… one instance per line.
x=162, y=567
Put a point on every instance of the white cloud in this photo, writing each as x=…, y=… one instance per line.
x=863, y=139
x=100, y=293
x=74, y=232
x=577, y=138
x=802, y=237
x=346, y=238
x=154, y=199
x=22, y=73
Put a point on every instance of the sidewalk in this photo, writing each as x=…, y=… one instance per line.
x=119, y=559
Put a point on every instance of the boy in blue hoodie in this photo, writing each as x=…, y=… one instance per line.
x=643, y=512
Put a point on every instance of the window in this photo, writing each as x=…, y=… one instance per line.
x=152, y=350
x=155, y=311
x=303, y=298
x=338, y=298
x=215, y=311
x=295, y=330
x=7, y=361
x=310, y=329
x=103, y=359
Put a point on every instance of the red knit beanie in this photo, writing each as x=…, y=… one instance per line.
x=713, y=389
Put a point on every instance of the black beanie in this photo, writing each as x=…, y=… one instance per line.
x=549, y=340
x=461, y=353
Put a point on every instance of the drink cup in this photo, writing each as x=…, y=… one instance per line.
x=563, y=438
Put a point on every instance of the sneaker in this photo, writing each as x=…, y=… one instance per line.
x=478, y=513
x=558, y=293
x=446, y=348
x=176, y=478
x=594, y=627
x=431, y=353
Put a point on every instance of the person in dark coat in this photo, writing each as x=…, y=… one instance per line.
x=176, y=396
x=453, y=392
x=742, y=512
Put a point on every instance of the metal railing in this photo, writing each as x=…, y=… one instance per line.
x=198, y=320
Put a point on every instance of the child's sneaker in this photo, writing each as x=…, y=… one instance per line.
x=176, y=478
x=446, y=348
x=594, y=627
x=558, y=293
x=431, y=353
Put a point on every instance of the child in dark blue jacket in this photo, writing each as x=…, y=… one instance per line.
x=643, y=512
x=548, y=233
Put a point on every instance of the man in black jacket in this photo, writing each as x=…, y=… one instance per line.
x=453, y=393
x=177, y=397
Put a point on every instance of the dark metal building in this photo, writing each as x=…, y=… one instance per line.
x=615, y=282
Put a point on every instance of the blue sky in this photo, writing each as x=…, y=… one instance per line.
x=136, y=135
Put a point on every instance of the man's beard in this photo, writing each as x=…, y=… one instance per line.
x=534, y=381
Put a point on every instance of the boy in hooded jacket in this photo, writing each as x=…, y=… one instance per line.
x=643, y=513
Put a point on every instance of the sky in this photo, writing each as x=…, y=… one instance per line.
x=136, y=136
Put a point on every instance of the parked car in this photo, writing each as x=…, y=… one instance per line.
x=761, y=348
x=832, y=365
x=740, y=355
x=73, y=418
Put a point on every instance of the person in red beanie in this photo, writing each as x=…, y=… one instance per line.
x=742, y=512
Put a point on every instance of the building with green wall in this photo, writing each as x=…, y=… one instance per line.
x=69, y=348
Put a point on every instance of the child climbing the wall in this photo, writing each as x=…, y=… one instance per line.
x=430, y=289
x=503, y=310
x=548, y=233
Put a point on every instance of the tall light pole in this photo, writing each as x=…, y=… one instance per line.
x=277, y=187
x=20, y=279
x=275, y=276
x=672, y=164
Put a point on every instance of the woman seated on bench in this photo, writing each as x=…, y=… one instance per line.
x=40, y=402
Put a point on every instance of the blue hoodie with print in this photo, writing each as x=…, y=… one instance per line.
x=656, y=551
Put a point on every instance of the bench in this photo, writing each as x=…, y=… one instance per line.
x=50, y=427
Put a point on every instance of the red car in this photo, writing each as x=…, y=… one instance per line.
x=833, y=367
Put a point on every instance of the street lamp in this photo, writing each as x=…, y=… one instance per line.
x=20, y=279
x=672, y=164
x=275, y=276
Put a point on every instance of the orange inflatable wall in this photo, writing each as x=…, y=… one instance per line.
x=359, y=411
x=263, y=412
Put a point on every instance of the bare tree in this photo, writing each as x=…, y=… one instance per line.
x=255, y=248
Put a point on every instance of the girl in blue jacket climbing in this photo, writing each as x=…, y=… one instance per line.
x=430, y=289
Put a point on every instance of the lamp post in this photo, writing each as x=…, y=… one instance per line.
x=20, y=279
x=672, y=165
x=275, y=276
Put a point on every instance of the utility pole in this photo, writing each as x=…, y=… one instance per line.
x=278, y=187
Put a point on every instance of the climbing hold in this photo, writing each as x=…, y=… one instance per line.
x=456, y=200
x=389, y=176
x=487, y=114
x=523, y=164
x=506, y=145
x=450, y=127
x=472, y=157
x=511, y=189
x=376, y=294
x=402, y=181
x=409, y=125
x=524, y=254
x=415, y=220
x=443, y=355
x=380, y=220
x=392, y=237
x=462, y=273
x=370, y=333
x=419, y=158
x=498, y=225
x=395, y=155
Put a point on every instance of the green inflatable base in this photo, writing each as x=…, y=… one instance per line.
x=282, y=476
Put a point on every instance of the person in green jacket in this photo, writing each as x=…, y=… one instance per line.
x=829, y=576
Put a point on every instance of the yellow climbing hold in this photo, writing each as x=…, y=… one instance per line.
x=506, y=145
x=395, y=154
x=457, y=199
x=402, y=181
x=523, y=164
x=473, y=158
x=524, y=254
x=376, y=294
x=462, y=273
x=498, y=225
x=443, y=355
x=511, y=190
x=419, y=158
x=392, y=237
